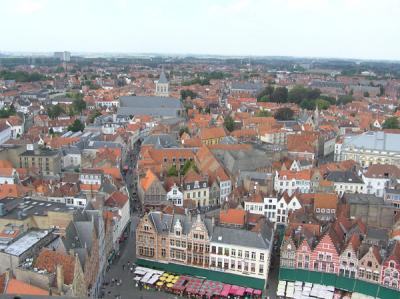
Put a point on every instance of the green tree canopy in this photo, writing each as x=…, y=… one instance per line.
x=299, y=93
x=172, y=171
x=76, y=126
x=345, y=99
x=229, y=123
x=391, y=123
x=185, y=93
x=93, y=115
x=265, y=94
x=183, y=130
x=6, y=112
x=78, y=105
x=284, y=114
x=263, y=113
x=55, y=111
x=280, y=95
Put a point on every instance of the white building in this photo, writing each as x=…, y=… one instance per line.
x=5, y=133
x=72, y=157
x=284, y=206
x=162, y=86
x=175, y=196
x=378, y=177
x=17, y=127
x=8, y=176
x=346, y=182
x=292, y=181
x=276, y=211
x=241, y=252
x=91, y=177
x=370, y=148
x=118, y=203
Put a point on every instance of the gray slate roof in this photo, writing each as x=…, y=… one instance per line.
x=163, y=79
x=155, y=106
x=245, y=238
x=161, y=141
x=344, y=177
x=379, y=140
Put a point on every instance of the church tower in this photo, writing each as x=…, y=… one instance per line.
x=316, y=117
x=162, y=85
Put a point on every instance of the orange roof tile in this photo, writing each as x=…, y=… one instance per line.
x=49, y=259
x=325, y=200
x=148, y=179
x=232, y=216
x=21, y=288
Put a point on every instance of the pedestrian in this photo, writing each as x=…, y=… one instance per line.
x=123, y=267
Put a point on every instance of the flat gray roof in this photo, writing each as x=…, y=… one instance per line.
x=156, y=106
x=380, y=141
x=25, y=242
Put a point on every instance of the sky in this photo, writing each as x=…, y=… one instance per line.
x=364, y=29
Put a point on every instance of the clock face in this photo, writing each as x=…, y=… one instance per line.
x=289, y=247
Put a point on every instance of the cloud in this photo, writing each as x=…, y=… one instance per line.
x=231, y=7
x=28, y=7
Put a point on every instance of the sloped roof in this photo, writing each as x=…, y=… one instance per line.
x=232, y=216
x=49, y=259
x=18, y=287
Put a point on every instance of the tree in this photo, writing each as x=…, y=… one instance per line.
x=263, y=113
x=280, y=95
x=6, y=112
x=76, y=126
x=189, y=164
x=343, y=100
x=381, y=90
x=229, y=123
x=55, y=111
x=307, y=104
x=183, y=130
x=284, y=114
x=322, y=104
x=265, y=94
x=172, y=171
x=51, y=131
x=299, y=93
x=78, y=105
x=366, y=94
x=93, y=115
x=391, y=123
x=185, y=93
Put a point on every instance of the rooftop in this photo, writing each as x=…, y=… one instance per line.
x=379, y=140
x=25, y=242
x=22, y=208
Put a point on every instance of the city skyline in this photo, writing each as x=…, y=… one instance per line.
x=351, y=29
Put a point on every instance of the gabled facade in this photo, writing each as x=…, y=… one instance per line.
x=369, y=265
x=325, y=256
x=349, y=258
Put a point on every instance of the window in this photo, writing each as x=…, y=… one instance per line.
x=232, y=264
x=239, y=253
x=253, y=267
x=233, y=252
x=246, y=254
x=261, y=256
x=163, y=252
x=253, y=255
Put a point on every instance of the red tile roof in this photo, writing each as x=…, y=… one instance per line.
x=232, y=216
x=49, y=259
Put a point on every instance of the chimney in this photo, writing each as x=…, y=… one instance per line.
x=60, y=277
x=213, y=221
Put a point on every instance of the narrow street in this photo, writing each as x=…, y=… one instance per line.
x=128, y=287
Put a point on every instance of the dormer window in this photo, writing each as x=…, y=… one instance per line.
x=391, y=265
x=204, y=185
x=178, y=232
